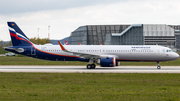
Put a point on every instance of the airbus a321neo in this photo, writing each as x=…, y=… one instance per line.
x=104, y=55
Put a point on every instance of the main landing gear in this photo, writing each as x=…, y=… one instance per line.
x=158, y=65
x=91, y=66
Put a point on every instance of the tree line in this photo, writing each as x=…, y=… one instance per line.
x=38, y=41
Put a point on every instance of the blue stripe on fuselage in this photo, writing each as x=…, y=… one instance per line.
x=46, y=56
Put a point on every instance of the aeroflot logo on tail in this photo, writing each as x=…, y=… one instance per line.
x=12, y=24
x=13, y=33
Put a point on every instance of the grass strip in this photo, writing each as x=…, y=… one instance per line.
x=89, y=87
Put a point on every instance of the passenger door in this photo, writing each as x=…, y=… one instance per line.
x=158, y=52
x=33, y=51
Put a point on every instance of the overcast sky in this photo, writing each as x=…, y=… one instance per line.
x=64, y=16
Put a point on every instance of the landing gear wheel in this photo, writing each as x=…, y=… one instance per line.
x=93, y=66
x=158, y=67
x=89, y=66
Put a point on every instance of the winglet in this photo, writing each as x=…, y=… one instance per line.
x=79, y=43
x=61, y=46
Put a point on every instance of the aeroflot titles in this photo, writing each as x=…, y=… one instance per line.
x=140, y=47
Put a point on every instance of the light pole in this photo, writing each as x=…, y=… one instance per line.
x=38, y=32
x=49, y=32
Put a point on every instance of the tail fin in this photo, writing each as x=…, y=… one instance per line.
x=66, y=42
x=17, y=36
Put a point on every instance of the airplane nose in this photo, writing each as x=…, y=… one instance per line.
x=176, y=56
x=173, y=56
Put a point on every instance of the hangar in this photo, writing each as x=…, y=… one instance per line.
x=135, y=34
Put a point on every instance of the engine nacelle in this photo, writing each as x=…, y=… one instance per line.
x=107, y=62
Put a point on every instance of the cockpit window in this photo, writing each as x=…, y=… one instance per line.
x=169, y=50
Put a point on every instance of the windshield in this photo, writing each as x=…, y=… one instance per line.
x=169, y=50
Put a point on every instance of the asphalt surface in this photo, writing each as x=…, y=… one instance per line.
x=82, y=69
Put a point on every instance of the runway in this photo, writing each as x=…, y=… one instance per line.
x=82, y=69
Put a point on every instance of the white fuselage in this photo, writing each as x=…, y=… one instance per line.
x=121, y=52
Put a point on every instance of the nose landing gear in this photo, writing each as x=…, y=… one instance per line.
x=158, y=65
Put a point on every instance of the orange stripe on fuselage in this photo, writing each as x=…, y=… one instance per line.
x=15, y=35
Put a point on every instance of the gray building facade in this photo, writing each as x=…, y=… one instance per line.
x=135, y=34
x=177, y=35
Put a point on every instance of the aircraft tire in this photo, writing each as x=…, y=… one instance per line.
x=158, y=67
x=93, y=66
x=89, y=66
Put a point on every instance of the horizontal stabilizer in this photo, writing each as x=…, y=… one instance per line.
x=20, y=50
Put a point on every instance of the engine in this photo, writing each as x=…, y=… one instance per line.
x=107, y=62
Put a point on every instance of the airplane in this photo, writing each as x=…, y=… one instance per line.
x=104, y=55
x=66, y=42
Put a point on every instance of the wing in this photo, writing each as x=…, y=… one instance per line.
x=85, y=55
